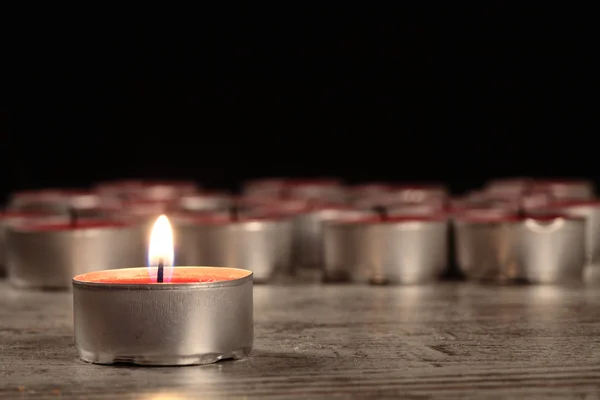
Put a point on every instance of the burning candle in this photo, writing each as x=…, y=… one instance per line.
x=46, y=255
x=163, y=315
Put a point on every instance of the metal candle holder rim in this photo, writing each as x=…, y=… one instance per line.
x=226, y=219
x=392, y=219
x=572, y=203
x=560, y=181
x=24, y=214
x=169, y=286
x=86, y=225
x=312, y=182
x=507, y=218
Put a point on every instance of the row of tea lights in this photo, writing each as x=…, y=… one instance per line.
x=539, y=231
x=510, y=230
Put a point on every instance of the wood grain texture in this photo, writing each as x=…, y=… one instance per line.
x=453, y=340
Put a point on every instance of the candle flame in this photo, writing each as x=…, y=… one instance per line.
x=161, y=248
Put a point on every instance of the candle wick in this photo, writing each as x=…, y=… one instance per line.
x=161, y=267
x=382, y=212
x=72, y=216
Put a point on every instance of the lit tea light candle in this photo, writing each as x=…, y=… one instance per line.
x=163, y=315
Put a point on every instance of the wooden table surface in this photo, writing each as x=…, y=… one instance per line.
x=453, y=339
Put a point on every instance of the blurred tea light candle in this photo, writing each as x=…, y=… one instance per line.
x=565, y=189
x=84, y=203
x=486, y=244
x=206, y=201
x=188, y=315
x=15, y=217
x=45, y=200
x=46, y=255
x=151, y=190
x=264, y=188
x=386, y=249
x=324, y=189
x=308, y=231
x=590, y=210
x=261, y=244
x=416, y=193
x=552, y=248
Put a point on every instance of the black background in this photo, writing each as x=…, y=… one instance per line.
x=439, y=94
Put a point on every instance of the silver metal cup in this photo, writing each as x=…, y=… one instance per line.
x=552, y=249
x=508, y=187
x=38, y=201
x=408, y=250
x=346, y=251
x=48, y=256
x=400, y=250
x=361, y=194
x=307, y=247
x=590, y=210
x=163, y=324
x=567, y=189
x=150, y=190
x=329, y=190
x=264, y=188
x=8, y=219
x=206, y=202
x=416, y=193
x=262, y=245
x=486, y=245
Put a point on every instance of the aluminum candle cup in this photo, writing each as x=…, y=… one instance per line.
x=567, y=189
x=329, y=190
x=512, y=187
x=416, y=194
x=11, y=218
x=486, y=245
x=206, y=202
x=44, y=201
x=552, y=249
x=262, y=245
x=265, y=188
x=418, y=209
x=308, y=232
x=151, y=190
x=407, y=250
x=47, y=256
x=590, y=210
x=346, y=251
x=367, y=193
x=201, y=316
x=83, y=202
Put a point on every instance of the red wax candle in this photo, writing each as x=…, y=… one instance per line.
x=178, y=275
